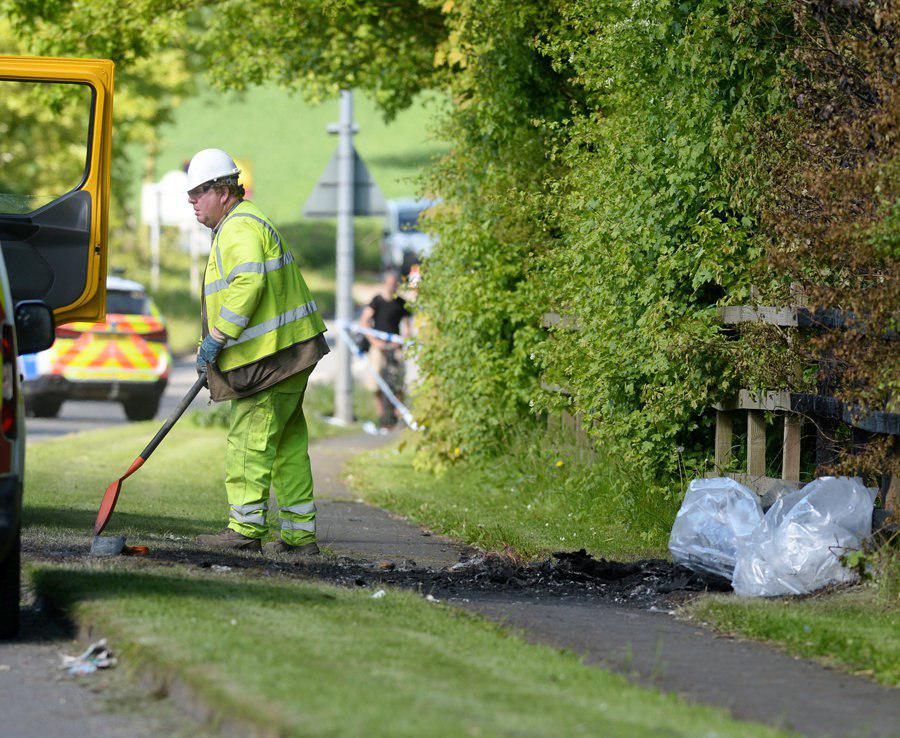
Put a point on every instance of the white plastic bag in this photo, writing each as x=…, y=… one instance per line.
x=798, y=546
x=716, y=515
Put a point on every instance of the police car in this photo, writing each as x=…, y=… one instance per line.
x=125, y=358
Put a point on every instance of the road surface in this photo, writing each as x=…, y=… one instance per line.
x=77, y=415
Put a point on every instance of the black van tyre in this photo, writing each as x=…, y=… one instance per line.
x=141, y=408
x=10, y=582
x=45, y=407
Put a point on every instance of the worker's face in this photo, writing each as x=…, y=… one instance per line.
x=391, y=282
x=209, y=204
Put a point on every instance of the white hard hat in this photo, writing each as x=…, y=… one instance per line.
x=208, y=165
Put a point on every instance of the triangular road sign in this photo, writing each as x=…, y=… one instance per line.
x=367, y=197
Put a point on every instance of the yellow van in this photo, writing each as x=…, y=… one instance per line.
x=55, y=136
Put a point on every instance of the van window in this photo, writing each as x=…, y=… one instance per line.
x=45, y=135
x=127, y=303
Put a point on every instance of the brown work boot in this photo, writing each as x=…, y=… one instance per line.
x=229, y=539
x=279, y=548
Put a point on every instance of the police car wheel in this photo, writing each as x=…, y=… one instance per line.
x=141, y=408
x=45, y=407
x=10, y=575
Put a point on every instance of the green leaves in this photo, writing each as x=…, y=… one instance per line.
x=635, y=210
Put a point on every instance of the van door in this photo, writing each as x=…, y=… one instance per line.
x=55, y=139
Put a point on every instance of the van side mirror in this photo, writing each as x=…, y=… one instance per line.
x=35, y=330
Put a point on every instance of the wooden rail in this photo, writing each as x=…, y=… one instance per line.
x=794, y=407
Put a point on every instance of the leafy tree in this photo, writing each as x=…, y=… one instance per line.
x=630, y=165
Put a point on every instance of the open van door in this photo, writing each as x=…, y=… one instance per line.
x=55, y=140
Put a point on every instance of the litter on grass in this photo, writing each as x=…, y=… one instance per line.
x=96, y=656
x=379, y=594
x=717, y=515
x=798, y=547
x=795, y=548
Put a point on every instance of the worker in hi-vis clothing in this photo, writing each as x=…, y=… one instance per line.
x=262, y=337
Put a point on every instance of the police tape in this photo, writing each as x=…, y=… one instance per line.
x=384, y=336
x=344, y=334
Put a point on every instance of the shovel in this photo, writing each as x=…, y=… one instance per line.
x=108, y=503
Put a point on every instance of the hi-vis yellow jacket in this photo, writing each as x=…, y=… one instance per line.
x=254, y=292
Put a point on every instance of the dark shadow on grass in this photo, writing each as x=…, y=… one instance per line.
x=83, y=521
x=65, y=587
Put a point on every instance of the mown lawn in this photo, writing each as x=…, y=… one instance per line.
x=301, y=657
x=307, y=659
x=857, y=628
x=178, y=492
x=284, y=141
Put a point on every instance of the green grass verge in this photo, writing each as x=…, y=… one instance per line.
x=178, y=492
x=345, y=664
x=854, y=628
x=298, y=657
x=284, y=141
x=537, y=498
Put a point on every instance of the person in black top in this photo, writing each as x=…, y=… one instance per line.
x=387, y=312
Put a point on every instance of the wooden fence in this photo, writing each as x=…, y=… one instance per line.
x=822, y=411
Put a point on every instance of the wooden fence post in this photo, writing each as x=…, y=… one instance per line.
x=790, y=454
x=724, y=434
x=756, y=443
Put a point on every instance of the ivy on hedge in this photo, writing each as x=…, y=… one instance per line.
x=604, y=167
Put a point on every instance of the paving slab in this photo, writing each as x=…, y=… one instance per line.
x=351, y=528
x=38, y=699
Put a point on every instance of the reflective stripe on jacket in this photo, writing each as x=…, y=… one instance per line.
x=254, y=292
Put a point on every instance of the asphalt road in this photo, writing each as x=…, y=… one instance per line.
x=79, y=416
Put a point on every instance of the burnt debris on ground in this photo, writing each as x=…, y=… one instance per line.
x=644, y=584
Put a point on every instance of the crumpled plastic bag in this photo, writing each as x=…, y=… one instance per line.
x=715, y=517
x=96, y=656
x=798, y=546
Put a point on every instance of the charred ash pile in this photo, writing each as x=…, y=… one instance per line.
x=643, y=583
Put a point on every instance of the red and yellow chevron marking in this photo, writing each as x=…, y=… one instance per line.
x=103, y=356
x=119, y=323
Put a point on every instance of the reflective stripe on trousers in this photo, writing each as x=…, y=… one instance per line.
x=309, y=526
x=254, y=513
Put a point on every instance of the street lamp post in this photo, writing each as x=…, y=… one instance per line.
x=343, y=387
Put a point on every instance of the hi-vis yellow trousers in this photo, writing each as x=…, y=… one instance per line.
x=268, y=447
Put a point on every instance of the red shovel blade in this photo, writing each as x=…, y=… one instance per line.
x=108, y=503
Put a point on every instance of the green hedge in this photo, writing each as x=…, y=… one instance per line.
x=632, y=164
x=604, y=166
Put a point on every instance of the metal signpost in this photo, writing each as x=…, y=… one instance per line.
x=344, y=190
